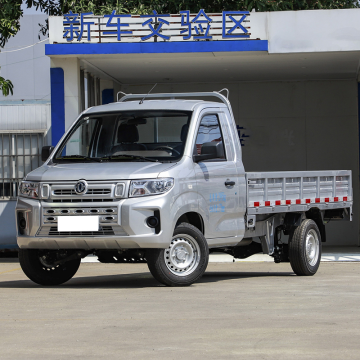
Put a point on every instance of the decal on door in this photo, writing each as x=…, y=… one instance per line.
x=217, y=201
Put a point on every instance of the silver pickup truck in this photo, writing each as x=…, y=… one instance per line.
x=159, y=178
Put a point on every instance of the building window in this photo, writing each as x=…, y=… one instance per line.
x=20, y=153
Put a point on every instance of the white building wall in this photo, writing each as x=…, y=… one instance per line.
x=313, y=31
x=28, y=69
x=25, y=117
x=299, y=125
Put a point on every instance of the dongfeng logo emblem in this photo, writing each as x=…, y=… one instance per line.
x=81, y=187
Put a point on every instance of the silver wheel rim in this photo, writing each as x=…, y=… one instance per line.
x=312, y=247
x=182, y=257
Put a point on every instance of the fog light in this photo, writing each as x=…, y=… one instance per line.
x=22, y=224
x=152, y=222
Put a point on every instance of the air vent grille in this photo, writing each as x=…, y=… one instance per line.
x=104, y=230
x=81, y=200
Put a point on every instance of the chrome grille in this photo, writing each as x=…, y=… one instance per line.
x=83, y=200
x=70, y=192
x=104, y=230
x=63, y=192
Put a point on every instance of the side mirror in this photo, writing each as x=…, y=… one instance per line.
x=210, y=150
x=46, y=152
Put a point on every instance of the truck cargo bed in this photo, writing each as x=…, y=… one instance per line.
x=289, y=191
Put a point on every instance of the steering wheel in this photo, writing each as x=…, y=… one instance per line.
x=169, y=149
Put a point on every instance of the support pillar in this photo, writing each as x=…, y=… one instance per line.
x=71, y=100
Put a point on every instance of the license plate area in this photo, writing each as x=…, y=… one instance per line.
x=78, y=223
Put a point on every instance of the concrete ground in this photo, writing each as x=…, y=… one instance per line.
x=242, y=310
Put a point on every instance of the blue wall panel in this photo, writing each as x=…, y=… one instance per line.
x=57, y=104
x=107, y=96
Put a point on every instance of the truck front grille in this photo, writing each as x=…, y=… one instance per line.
x=104, y=230
x=70, y=192
x=82, y=200
x=64, y=192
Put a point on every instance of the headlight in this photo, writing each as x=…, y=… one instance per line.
x=29, y=189
x=150, y=187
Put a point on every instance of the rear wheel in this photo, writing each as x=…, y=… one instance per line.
x=305, y=249
x=184, y=261
x=38, y=266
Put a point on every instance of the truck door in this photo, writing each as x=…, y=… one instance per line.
x=217, y=179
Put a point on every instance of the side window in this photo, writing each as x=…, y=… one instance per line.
x=209, y=131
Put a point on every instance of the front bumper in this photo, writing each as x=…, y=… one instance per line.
x=129, y=227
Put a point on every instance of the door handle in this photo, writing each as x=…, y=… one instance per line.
x=229, y=183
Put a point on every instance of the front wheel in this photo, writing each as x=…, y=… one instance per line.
x=38, y=267
x=184, y=261
x=305, y=249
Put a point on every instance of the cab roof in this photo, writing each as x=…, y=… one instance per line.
x=184, y=105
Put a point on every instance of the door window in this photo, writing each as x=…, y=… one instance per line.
x=209, y=131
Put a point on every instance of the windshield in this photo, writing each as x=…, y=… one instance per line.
x=127, y=136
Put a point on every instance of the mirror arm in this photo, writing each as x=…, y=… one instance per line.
x=198, y=158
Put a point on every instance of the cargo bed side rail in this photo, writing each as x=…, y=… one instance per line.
x=297, y=191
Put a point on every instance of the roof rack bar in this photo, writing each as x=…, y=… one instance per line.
x=181, y=95
x=120, y=92
x=175, y=95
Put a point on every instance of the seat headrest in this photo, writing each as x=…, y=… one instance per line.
x=184, y=131
x=127, y=134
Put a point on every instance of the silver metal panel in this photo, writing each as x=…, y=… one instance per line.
x=24, y=117
x=220, y=201
x=293, y=185
x=98, y=171
x=184, y=105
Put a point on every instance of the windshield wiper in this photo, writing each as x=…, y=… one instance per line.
x=127, y=156
x=78, y=157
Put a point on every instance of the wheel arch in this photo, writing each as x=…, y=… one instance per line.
x=316, y=215
x=192, y=218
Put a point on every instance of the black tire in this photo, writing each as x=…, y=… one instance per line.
x=46, y=275
x=305, y=261
x=187, y=239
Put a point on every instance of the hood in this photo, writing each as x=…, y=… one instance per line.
x=98, y=171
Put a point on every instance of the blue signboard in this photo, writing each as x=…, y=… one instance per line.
x=192, y=27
